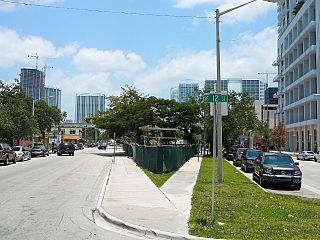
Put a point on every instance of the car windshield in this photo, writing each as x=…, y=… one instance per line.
x=253, y=154
x=232, y=150
x=278, y=159
x=310, y=152
x=241, y=150
x=36, y=148
x=16, y=148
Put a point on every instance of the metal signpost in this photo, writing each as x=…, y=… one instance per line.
x=213, y=98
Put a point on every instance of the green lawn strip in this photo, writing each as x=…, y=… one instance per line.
x=158, y=179
x=247, y=212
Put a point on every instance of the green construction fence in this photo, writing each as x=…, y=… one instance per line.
x=159, y=159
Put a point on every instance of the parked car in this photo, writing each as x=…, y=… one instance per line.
x=247, y=159
x=237, y=156
x=102, y=146
x=21, y=153
x=80, y=146
x=263, y=148
x=66, y=148
x=306, y=155
x=230, y=153
x=277, y=168
x=39, y=150
x=7, y=154
x=317, y=157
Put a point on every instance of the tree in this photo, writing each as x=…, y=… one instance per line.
x=241, y=119
x=130, y=111
x=46, y=116
x=18, y=122
x=280, y=136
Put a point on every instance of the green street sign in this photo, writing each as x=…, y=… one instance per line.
x=215, y=97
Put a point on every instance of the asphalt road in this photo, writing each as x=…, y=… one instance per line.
x=51, y=198
x=310, y=181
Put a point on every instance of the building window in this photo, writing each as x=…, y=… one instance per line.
x=72, y=131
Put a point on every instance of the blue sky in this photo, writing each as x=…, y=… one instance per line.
x=93, y=52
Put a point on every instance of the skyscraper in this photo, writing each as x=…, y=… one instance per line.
x=87, y=105
x=174, y=94
x=32, y=83
x=52, y=96
x=298, y=72
x=253, y=87
x=184, y=92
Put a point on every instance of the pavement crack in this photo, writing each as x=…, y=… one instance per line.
x=60, y=221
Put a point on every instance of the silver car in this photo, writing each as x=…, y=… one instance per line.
x=306, y=155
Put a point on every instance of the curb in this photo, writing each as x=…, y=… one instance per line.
x=239, y=170
x=148, y=232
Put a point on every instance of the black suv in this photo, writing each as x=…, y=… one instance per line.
x=7, y=154
x=247, y=159
x=277, y=168
x=66, y=148
x=237, y=156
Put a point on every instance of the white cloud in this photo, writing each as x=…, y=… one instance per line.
x=90, y=82
x=9, y=7
x=117, y=62
x=247, y=56
x=15, y=49
x=244, y=14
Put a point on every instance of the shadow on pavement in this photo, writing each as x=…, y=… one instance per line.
x=105, y=154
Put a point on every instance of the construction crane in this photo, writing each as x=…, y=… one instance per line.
x=36, y=56
x=267, y=77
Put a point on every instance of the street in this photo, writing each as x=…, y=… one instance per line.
x=310, y=181
x=53, y=197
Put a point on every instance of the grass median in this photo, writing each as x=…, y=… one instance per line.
x=158, y=179
x=244, y=211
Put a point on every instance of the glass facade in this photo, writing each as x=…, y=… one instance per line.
x=253, y=87
x=268, y=95
x=52, y=96
x=186, y=91
x=32, y=83
x=87, y=105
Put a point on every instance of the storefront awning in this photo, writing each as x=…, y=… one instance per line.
x=67, y=137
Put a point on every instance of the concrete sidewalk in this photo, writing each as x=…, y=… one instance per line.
x=133, y=202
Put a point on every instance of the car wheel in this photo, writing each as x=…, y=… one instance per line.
x=72, y=154
x=262, y=183
x=315, y=159
x=297, y=186
x=6, y=161
x=253, y=176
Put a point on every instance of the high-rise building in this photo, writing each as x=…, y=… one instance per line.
x=253, y=87
x=174, y=94
x=87, y=105
x=184, y=92
x=32, y=83
x=269, y=95
x=298, y=72
x=211, y=85
x=52, y=96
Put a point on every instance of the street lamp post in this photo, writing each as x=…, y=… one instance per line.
x=219, y=116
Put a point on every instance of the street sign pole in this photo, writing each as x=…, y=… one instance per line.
x=214, y=155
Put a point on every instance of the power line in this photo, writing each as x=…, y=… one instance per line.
x=106, y=11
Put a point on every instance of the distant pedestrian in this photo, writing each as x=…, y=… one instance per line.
x=52, y=147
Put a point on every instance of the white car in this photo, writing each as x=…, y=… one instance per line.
x=306, y=155
x=21, y=153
